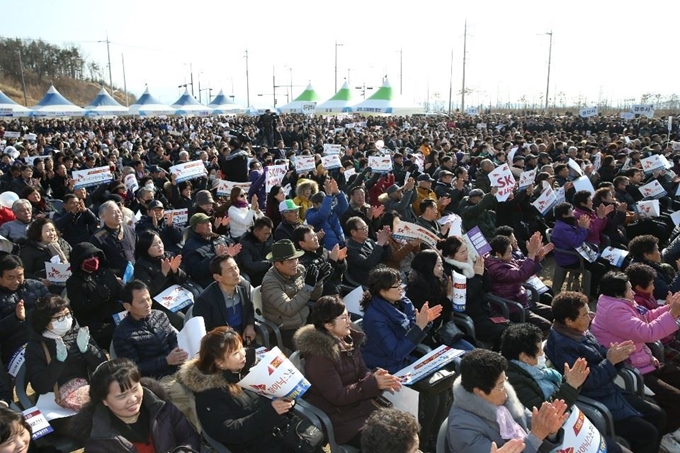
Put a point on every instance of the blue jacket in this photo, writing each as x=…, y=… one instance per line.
x=600, y=384
x=567, y=237
x=391, y=334
x=327, y=218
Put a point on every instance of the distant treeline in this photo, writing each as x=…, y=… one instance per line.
x=45, y=61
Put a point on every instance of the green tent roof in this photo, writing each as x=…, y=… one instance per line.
x=344, y=94
x=384, y=93
x=308, y=95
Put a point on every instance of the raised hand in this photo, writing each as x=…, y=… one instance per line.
x=618, y=352
x=479, y=265
x=312, y=275
x=576, y=375
x=175, y=262
x=548, y=418
x=62, y=352
x=377, y=211
x=426, y=315
x=584, y=222
x=234, y=249
x=673, y=300
x=384, y=235
x=20, y=310
x=165, y=266
x=83, y=339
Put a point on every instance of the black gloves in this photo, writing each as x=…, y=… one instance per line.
x=312, y=275
x=325, y=271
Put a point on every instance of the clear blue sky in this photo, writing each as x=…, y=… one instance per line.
x=601, y=49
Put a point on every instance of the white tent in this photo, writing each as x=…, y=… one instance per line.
x=104, y=105
x=385, y=102
x=340, y=103
x=305, y=103
x=53, y=104
x=223, y=105
x=148, y=105
x=255, y=110
x=10, y=108
x=187, y=105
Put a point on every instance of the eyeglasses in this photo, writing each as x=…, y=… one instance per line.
x=62, y=317
x=501, y=386
x=344, y=317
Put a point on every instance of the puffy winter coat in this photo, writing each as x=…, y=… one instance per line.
x=149, y=271
x=34, y=255
x=252, y=258
x=327, y=218
x=567, y=237
x=597, y=225
x=481, y=214
x=619, y=320
x=507, y=277
x=197, y=254
x=284, y=299
x=342, y=386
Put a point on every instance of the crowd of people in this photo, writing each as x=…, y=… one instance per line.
x=297, y=244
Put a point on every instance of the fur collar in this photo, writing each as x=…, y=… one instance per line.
x=311, y=341
x=196, y=381
x=467, y=268
x=476, y=405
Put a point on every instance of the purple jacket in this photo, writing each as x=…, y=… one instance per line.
x=619, y=320
x=567, y=237
x=507, y=277
x=597, y=225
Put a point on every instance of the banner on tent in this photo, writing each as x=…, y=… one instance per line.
x=224, y=187
x=588, y=112
x=188, y=170
x=275, y=175
x=380, y=164
x=6, y=112
x=92, y=177
x=308, y=108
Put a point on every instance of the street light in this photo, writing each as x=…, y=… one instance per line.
x=336, y=64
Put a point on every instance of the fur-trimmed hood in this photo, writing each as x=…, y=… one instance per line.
x=310, y=341
x=476, y=405
x=195, y=380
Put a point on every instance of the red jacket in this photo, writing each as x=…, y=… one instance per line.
x=6, y=215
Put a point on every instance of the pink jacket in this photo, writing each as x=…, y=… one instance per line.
x=597, y=225
x=648, y=301
x=619, y=320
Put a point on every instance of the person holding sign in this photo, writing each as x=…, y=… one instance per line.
x=131, y=414
x=239, y=418
x=342, y=385
x=487, y=414
x=327, y=207
x=478, y=209
x=635, y=419
x=42, y=246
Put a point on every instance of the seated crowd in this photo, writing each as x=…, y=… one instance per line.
x=442, y=256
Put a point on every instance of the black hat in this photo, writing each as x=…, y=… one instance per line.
x=425, y=177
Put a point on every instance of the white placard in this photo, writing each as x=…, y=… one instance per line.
x=643, y=109
x=30, y=160
x=275, y=175
x=40, y=427
x=420, y=161
x=583, y=183
x=331, y=161
x=574, y=166
x=560, y=195
x=654, y=162
x=670, y=123
x=179, y=216
x=331, y=148
x=481, y=125
x=456, y=227
x=353, y=301
x=588, y=112
x=502, y=178
x=118, y=317
x=648, y=208
x=189, y=338
x=131, y=183
x=188, y=170
x=175, y=298
x=410, y=231
x=57, y=272
x=459, y=292
x=511, y=154
x=428, y=364
x=653, y=189
x=614, y=256
x=675, y=217
x=92, y=177
x=527, y=178
x=224, y=187
x=50, y=409
x=11, y=134
x=545, y=201
x=275, y=376
x=405, y=399
x=380, y=164
x=349, y=172
x=31, y=137
x=304, y=163
x=580, y=435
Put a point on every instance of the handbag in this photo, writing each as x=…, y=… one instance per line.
x=74, y=394
x=300, y=435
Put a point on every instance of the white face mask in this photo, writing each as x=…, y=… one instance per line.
x=61, y=327
x=541, y=361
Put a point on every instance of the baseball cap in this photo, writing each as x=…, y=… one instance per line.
x=425, y=177
x=288, y=205
x=198, y=218
x=154, y=204
x=476, y=193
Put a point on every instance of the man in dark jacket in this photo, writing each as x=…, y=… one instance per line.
x=290, y=218
x=227, y=300
x=145, y=336
x=256, y=244
x=363, y=253
x=17, y=300
x=307, y=240
x=77, y=224
x=170, y=234
x=234, y=162
x=202, y=246
x=115, y=239
x=477, y=210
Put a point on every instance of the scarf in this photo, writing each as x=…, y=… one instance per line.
x=55, y=250
x=241, y=204
x=567, y=332
x=547, y=379
x=466, y=268
x=509, y=428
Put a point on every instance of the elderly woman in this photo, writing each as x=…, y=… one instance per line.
x=41, y=207
x=129, y=414
x=583, y=206
x=645, y=249
x=620, y=318
x=240, y=419
x=635, y=419
x=342, y=385
x=487, y=414
x=43, y=245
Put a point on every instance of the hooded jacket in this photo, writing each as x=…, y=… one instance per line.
x=305, y=203
x=342, y=386
x=169, y=428
x=242, y=422
x=619, y=320
x=93, y=296
x=472, y=425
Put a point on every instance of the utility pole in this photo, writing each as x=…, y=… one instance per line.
x=547, y=84
x=191, y=70
x=23, y=82
x=462, y=92
x=108, y=53
x=336, y=65
x=247, y=83
x=451, y=83
x=124, y=80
